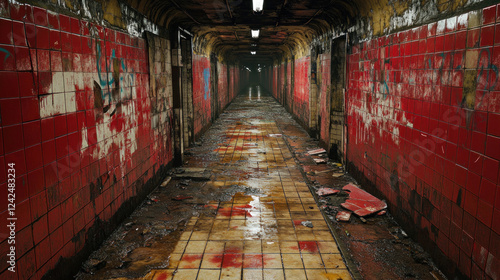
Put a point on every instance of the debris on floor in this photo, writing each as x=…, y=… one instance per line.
x=316, y=152
x=194, y=173
x=275, y=135
x=361, y=202
x=326, y=191
x=165, y=182
x=181, y=197
x=343, y=216
x=320, y=160
x=337, y=174
x=308, y=224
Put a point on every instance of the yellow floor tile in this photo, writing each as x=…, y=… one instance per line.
x=292, y=261
x=272, y=261
x=295, y=274
x=195, y=247
x=208, y=274
x=316, y=274
x=252, y=274
x=186, y=274
x=333, y=260
x=312, y=261
x=231, y=273
x=273, y=274
x=338, y=274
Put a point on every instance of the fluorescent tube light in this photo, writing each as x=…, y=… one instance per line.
x=255, y=33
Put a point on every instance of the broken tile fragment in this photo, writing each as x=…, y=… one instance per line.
x=343, y=216
x=361, y=202
x=326, y=191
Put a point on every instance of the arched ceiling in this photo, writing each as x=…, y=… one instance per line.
x=223, y=26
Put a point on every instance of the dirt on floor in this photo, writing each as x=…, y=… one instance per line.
x=373, y=248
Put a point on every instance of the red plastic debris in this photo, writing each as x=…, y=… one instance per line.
x=343, y=216
x=361, y=202
x=181, y=197
x=326, y=191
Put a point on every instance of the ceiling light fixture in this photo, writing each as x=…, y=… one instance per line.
x=255, y=33
x=258, y=5
x=253, y=52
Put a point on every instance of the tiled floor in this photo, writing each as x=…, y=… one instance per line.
x=258, y=235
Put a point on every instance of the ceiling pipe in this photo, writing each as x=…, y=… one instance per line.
x=184, y=11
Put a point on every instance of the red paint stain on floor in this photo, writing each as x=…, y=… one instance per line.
x=191, y=258
x=216, y=259
x=297, y=222
x=252, y=261
x=308, y=246
x=232, y=260
x=237, y=211
x=161, y=276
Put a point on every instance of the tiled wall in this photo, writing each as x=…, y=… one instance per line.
x=424, y=129
x=324, y=98
x=222, y=85
x=76, y=120
x=201, y=93
x=301, y=85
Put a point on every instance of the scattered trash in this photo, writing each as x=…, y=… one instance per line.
x=184, y=183
x=361, y=202
x=326, y=191
x=337, y=164
x=319, y=160
x=403, y=233
x=129, y=224
x=347, y=233
x=181, y=197
x=337, y=174
x=307, y=224
x=381, y=212
x=179, y=171
x=194, y=173
x=165, y=182
x=317, y=151
x=275, y=135
x=362, y=219
x=343, y=216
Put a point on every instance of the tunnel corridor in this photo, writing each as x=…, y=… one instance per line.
x=259, y=139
